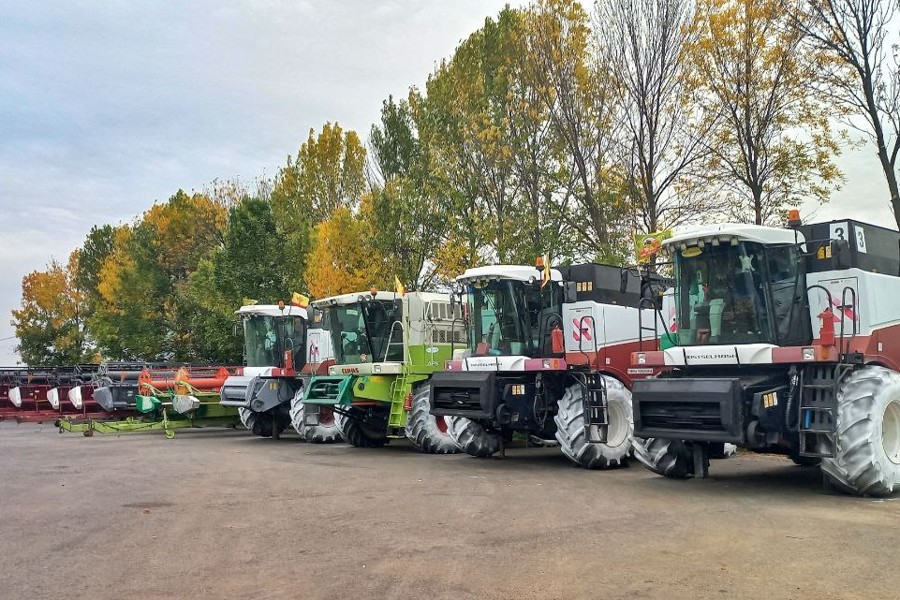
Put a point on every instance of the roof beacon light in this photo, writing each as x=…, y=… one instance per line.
x=794, y=218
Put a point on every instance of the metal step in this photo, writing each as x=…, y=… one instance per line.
x=328, y=389
x=817, y=412
x=596, y=410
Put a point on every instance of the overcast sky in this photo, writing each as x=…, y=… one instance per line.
x=107, y=107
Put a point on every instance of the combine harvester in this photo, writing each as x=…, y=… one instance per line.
x=152, y=398
x=281, y=351
x=386, y=347
x=787, y=341
x=548, y=356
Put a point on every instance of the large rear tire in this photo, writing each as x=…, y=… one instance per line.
x=325, y=431
x=867, y=453
x=669, y=458
x=428, y=432
x=573, y=439
x=355, y=432
x=472, y=438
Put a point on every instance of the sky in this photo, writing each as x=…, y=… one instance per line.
x=106, y=107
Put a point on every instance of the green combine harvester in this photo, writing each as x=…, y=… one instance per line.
x=386, y=347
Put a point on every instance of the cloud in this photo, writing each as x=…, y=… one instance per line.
x=107, y=107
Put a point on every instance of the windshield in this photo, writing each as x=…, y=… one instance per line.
x=368, y=331
x=721, y=294
x=512, y=318
x=266, y=338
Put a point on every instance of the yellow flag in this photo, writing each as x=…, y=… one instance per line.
x=398, y=285
x=300, y=300
x=545, y=276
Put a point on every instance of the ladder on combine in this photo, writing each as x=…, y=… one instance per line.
x=819, y=386
x=596, y=409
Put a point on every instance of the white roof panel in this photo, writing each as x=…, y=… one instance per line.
x=515, y=272
x=742, y=231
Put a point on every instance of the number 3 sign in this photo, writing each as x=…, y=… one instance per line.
x=841, y=231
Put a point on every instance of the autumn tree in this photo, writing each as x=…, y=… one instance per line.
x=643, y=43
x=50, y=323
x=327, y=174
x=341, y=260
x=138, y=315
x=864, y=75
x=772, y=145
x=581, y=100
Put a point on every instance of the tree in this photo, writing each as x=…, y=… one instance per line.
x=643, y=43
x=50, y=324
x=341, y=260
x=405, y=219
x=772, y=144
x=580, y=98
x=863, y=80
x=327, y=174
x=138, y=315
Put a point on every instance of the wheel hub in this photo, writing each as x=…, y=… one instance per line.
x=890, y=431
x=617, y=431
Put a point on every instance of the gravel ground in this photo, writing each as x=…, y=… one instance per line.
x=221, y=514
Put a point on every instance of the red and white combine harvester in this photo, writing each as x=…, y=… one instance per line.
x=548, y=356
x=785, y=340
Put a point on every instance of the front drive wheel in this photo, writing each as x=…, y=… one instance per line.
x=572, y=436
x=669, y=458
x=357, y=433
x=472, y=438
x=324, y=431
x=867, y=456
x=428, y=432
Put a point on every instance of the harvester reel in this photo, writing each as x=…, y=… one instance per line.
x=472, y=438
x=572, y=434
x=867, y=456
x=309, y=423
x=428, y=432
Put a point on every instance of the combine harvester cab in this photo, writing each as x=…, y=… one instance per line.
x=786, y=341
x=276, y=357
x=386, y=347
x=548, y=356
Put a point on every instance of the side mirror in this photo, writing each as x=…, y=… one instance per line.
x=570, y=292
x=234, y=329
x=840, y=255
x=623, y=280
x=453, y=305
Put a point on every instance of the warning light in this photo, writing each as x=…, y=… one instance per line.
x=539, y=261
x=794, y=218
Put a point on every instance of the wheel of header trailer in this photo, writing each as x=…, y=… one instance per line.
x=720, y=451
x=867, y=453
x=324, y=432
x=669, y=458
x=428, y=432
x=263, y=424
x=472, y=438
x=571, y=434
x=355, y=432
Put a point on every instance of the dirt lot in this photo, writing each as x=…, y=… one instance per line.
x=225, y=515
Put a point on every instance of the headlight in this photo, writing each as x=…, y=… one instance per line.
x=809, y=354
x=642, y=358
x=376, y=369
